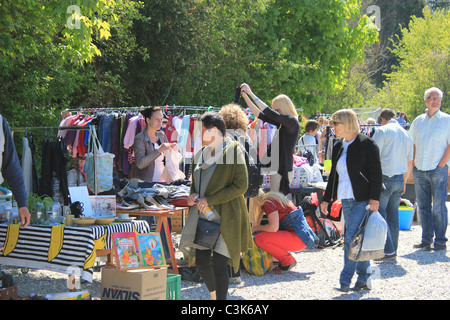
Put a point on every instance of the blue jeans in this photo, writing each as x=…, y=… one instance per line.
x=106, y=126
x=389, y=203
x=296, y=221
x=431, y=194
x=353, y=214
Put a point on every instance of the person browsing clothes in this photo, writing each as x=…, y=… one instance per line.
x=150, y=147
x=284, y=116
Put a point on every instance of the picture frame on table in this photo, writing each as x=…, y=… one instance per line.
x=151, y=252
x=103, y=206
x=126, y=250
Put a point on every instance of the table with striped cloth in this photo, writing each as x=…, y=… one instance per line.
x=69, y=250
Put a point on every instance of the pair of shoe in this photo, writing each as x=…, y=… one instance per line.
x=126, y=206
x=358, y=287
x=140, y=199
x=427, y=247
x=159, y=202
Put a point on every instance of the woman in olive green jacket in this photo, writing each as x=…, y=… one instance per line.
x=219, y=181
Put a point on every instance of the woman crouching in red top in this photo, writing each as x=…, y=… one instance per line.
x=287, y=230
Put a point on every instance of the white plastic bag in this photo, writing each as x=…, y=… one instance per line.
x=368, y=242
x=375, y=233
x=317, y=173
x=171, y=170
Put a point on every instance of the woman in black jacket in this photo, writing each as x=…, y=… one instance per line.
x=355, y=178
x=278, y=160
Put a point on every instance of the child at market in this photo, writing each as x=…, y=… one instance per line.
x=286, y=231
x=309, y=141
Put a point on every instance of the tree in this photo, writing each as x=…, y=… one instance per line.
x=424, y=58
x=224, y=48
x=27, y=28
x=394, y=15
x=307, y=47
x=46, y=65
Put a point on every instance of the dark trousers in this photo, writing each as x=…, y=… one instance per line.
x=215, y=274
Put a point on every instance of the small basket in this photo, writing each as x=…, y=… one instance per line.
x=173, y=287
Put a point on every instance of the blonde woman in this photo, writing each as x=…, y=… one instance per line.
x=355, y=179
x=284, y=116
x=287, y=230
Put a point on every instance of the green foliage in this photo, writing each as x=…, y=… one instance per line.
x=224, y=49
x=424, y=63
x=155, y=52
x=309, y=46
x=45, y=66
x=29, y=28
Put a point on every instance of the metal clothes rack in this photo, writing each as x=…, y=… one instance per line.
x=165, y=108
x=26, y=129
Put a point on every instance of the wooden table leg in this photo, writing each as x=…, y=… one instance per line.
x=109, y=256
x=162, y=222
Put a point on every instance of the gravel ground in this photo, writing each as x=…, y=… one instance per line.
x=416, y=275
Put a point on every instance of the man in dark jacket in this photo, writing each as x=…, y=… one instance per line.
x=12, y=172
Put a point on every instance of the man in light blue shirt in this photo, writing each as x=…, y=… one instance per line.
x=431, y=136
x=396, y=155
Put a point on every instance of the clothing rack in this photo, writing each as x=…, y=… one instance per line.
x=137, y=109
x=25, y=129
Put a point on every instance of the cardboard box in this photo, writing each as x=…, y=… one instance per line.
x=134, y=284
x=8, y=293
x=179, y=220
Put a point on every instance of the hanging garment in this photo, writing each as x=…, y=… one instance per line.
x=53, y=182
x=184, y=134
x=197, y=136
x=35, y=178
x=170, y=131
x=27, y=168
x=2, y=147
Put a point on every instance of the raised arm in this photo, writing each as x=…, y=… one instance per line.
x=247, y=93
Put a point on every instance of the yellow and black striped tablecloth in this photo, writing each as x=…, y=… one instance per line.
x=60, y=248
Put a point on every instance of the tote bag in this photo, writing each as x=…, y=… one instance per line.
x=98, y=166
x=257, y=261
x=368, y=242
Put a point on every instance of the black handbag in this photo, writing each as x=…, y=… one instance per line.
x=207, y=232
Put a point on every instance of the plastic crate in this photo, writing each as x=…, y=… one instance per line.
x=173, y=287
